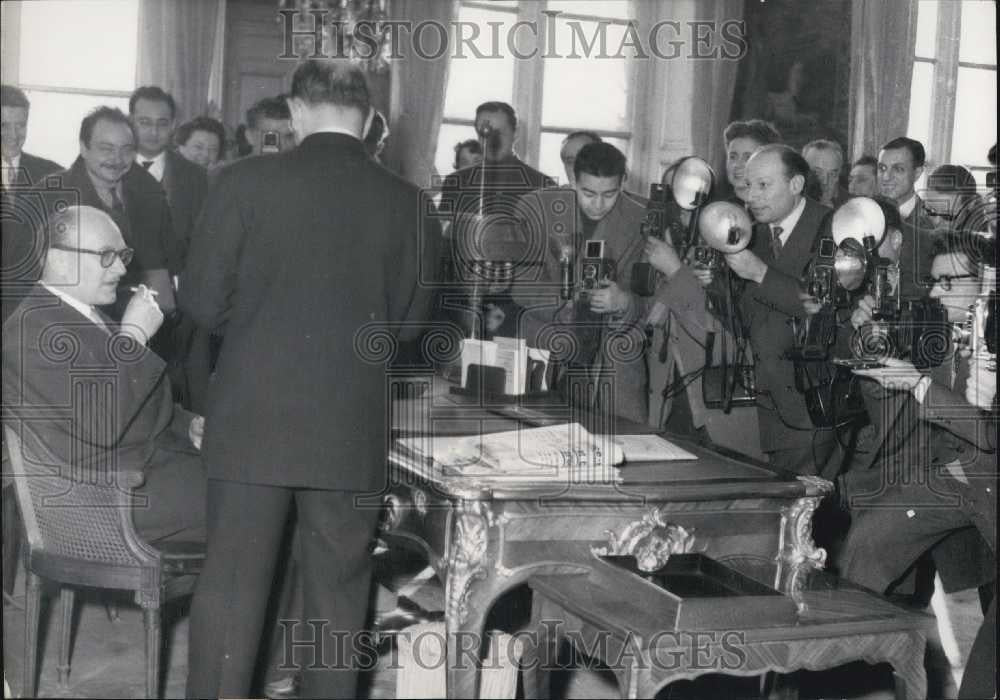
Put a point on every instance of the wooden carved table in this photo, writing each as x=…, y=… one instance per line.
x=484, y=541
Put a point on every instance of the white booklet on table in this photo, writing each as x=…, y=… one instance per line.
x=566, y=451
x=651, y=448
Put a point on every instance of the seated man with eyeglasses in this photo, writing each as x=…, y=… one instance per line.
x=89, y=389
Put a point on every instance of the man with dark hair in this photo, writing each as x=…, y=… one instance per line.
x=105, y=176
x=605, y=315
x=104, y=409
x=863, y=178
x=467, y=154
x=742, y=140
x=19, y=168
x=826, y=159
x=279, y=244
x=787, y=225
x=501, y=178
x=490, y=187
x=900, y=164
x=153, y=113
x=571, y=145
x=22, y=172
x=269, y=118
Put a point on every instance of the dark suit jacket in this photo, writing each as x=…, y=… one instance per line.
x=309, y=257
x=186, y=185
x=99, y=401
x=505, y=182
x=919, y=234
x=24, y=211
x=767, y=308
x=146, y=225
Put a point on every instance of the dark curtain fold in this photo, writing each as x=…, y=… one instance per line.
x=417, y=95
x=177, y=45
x=883, y=41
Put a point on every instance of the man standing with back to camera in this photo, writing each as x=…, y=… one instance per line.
x=298, y=254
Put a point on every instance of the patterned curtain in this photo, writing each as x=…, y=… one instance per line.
x=883, y=40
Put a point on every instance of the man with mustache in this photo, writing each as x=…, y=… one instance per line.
x=104, y=177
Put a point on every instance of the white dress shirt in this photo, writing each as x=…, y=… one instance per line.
x=907, y=207
x=791, y=221
x=10, y=170
x=158, y=166
x=86, y=309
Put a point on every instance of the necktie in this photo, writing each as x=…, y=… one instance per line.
x=146, y=164
x=776, y=244
x=117, y=206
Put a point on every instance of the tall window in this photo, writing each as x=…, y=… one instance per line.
x=578, y=78
x=954, y=90
x=74, y=56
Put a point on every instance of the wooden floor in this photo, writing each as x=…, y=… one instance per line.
x=108, y=659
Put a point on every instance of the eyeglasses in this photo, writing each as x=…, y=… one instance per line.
x=945, y=280
x=107, y=256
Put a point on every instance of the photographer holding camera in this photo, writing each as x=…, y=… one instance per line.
x=584, y=282
x=948, y=493
x=788, y=224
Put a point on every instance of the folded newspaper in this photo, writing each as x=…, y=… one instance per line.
x=551, y=453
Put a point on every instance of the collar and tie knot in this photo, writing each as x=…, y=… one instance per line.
x=776, y=243
x=147, y=164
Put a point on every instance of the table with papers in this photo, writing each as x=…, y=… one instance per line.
x=487, y=528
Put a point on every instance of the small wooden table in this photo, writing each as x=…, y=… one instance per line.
x=839, y=623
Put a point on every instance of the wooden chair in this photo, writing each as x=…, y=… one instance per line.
x=81, y=534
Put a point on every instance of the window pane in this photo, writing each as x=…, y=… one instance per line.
x=615, y=9
x=473, y=80
x=581, y=82
x=79, y=44
x=919, y=126
x=54, y=123
x=548, y=156
x=975, y=116
x=927, y=14
x=979, y=32
x=448, y=136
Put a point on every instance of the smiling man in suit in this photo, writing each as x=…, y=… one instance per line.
x=21, y=173
x=787, y=224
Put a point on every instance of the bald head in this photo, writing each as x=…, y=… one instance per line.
x=77, y=238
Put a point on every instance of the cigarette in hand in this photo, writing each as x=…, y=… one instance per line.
x=143, y=289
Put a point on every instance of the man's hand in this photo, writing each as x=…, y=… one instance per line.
x=863, y=314
x=810, y=303
x=609, y=299
x=703, y=274
x=494, y=317
x=981, y=387
x=747, y=265
x=662, y=256
x=196, y=430
x=142, y=317
x=897, y=375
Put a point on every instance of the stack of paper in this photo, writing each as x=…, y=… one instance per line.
x=556, y=452
x=651, y=448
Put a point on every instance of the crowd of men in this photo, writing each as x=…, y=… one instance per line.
x=250, y=283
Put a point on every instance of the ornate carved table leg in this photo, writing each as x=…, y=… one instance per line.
x=468, y=565
x=798, y=554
